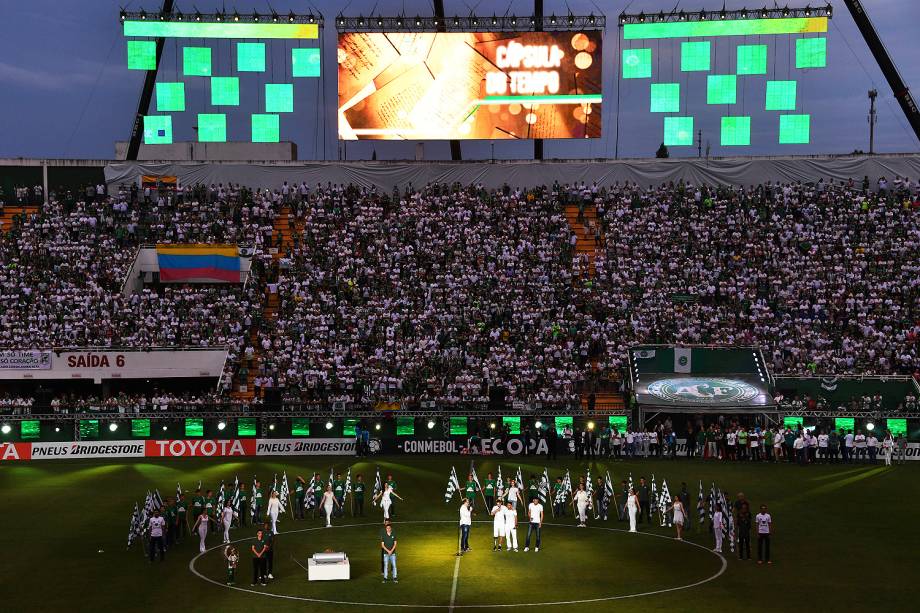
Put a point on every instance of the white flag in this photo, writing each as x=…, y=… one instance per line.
x=664, y=501
x=453, y=485
x=378, y=487
x=285, y=492
x=500, y=485
x=683, y=359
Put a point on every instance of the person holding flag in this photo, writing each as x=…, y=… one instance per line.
x=319, y=491
x=718, y=524
x=488, y=490
x=392, y=483
x=602, y=499
x=243, y=505
x=274, y=508
x=338, y=488
x=559, y=497
x=256, y=506
x=197, y=504
x=469, y=491
x=181, y=519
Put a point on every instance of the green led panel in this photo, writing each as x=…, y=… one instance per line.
x=142, y=55
x=140, y=428
x=348, y=427
x=513, y=424
x=300, y=426
x=561, y=422
x=637, y=63
x=170, y=96
x=898, y=427
x=458, y=426
x=265, y=128
x=793, y=423
x=794, y=129
x=752, y=59
x=728, y=27
x=179, y=29
x=618, y=422
x=665, y=97
x=721, y=89
x=246, y=426
x=811, y=53
x=279, y=98
x=845, y=423
x=212, y=128
x=196, y=61
x=695, y=56
x=305, y=62
x=30, y=429
x=736, y=131
x=250, y=57
x=194, y=426
x=158, y=130
x=780, y=96
x=89, y=428
x=678, y=131
x=405, y=426
x=225, y=91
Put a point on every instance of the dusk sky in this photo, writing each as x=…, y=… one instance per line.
x=66, y=91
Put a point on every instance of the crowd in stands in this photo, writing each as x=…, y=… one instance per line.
x=447, y=292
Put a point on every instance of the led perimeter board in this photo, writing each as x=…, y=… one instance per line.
x=469, y=85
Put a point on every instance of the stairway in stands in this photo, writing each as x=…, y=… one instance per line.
x=606, y=401
x=270, y=304
x=11, y=211
x=585, y=244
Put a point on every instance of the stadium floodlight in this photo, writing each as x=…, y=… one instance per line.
x=271, y=426
x=291, y=17
x=538, y=424
x=113, y=427
x=377, y=426
x=165, y=428
x=431, y=424
x=236, y=16
x=870, y=426
x=221, y=425
x=5, y=429
x=492, y=426
x=328, y=425
x=57, y=428
x=123, y=15
x=256, y=17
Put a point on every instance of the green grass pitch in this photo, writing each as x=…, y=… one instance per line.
x=842, y=533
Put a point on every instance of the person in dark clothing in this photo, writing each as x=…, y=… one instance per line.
x=553, y=442
x=744, y=532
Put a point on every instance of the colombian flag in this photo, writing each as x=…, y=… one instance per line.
x=199, y=263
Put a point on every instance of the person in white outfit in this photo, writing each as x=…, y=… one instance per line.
x=633, y=507
x=678, y=509
x=328, y=504
x=498, y=525
x=201, y=525
x=386, y=500
x=274, y=508
x=511, y=520
x=718, y=522
x=227, y=515
x=887, y=447
x=580, y=503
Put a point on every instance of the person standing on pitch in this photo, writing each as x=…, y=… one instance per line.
x=181, y=518
x=498, y=525
x=244, y=508
x=718, y=523
x=338, y=488
x=258, y=561
x=645, y=507
x=328, y=504
x=226, y=516
x=392, y=483
x=535, y=515
x=257, y=496
x=580, y=505
x=388, y=545
x=488, y=489
x=744, y=532
x=514, y=494
x=511, y=520
x=386, y=500
x=209, y=501
x=233, y=558
x=274, y=508
x=469, y=491
x=679, y=514
x=269, y=552
x=300, y=492
x=197, y=504
x=764, y=531
x=633, y=506
x=466, y=521
x=157, y=525
x=201, y=526
x=621, y=508
x=358, y=496
x=602, y=502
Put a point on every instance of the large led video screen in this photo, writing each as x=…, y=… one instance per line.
x=466, y=85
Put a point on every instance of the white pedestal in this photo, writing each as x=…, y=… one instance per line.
x=328, y=572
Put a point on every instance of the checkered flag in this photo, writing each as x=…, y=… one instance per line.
x=309, y=500
x=701, y=505
x=664, y=501
x=378, y=487
x=133, y=526
x=500, y=485
x=543, y=489
x=589, y=488
x=285, y=491
x=453, y=485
